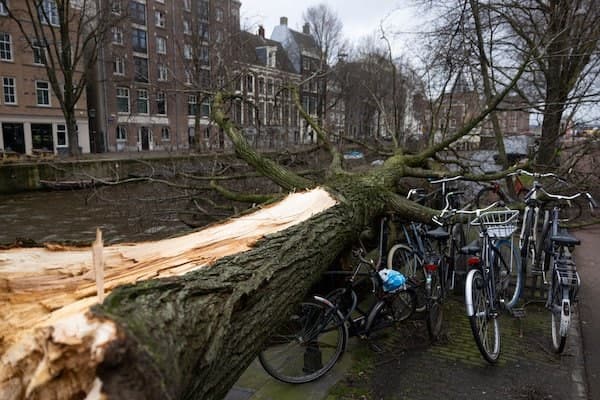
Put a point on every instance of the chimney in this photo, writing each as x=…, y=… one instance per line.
x=306, y=28
x=283, y=21
x=261, y=31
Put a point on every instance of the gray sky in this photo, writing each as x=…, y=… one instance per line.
x=359, y=17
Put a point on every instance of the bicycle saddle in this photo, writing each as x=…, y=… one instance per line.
x=564, y=238
x=471, y=248
x=438, y=234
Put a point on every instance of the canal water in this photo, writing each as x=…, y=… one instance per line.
x=125, y=213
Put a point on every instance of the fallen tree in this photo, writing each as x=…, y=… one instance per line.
x=186, y=316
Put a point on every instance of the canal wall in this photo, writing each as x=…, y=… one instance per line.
x=24, y=176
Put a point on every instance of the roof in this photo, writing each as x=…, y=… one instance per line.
x=304, y=41
x=248, y=53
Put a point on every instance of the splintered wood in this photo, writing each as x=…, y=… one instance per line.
x=45, y=293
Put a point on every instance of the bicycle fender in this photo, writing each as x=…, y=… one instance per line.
x=324, y=301
x=468, y=289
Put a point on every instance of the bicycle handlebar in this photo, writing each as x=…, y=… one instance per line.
x=442, y=180
x=537, y=175
x=447, y=213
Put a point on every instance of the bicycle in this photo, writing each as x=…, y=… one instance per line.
x=535, y=199
x=493, y=192
x=565, y=281
x=488, y=279
x=313, y=338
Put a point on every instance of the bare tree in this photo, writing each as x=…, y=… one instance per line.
x=67, y=34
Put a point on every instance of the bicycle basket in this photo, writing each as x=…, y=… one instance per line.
x=498, y=223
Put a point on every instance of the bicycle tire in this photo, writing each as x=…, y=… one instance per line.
x=404, y=259
x=508, y=269
x=434, y=320
x=401, y=305
x=527, y=255
x=306, y=345
x=459, y=260
x=558, y=293
x=485, y=328
x=489, y=195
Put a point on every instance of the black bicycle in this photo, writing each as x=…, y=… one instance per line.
x=314, y=336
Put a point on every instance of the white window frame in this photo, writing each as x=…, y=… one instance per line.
x=160, y=18
x=163, y=72
x=117, y=35
x=51, y=13
x=188, y=77
x=123, y=93
x=38, y=50
x=165, y=137
x=187, y=51
x=119, y=66
x=8, y=46
x=62, y=130
x=116, y=7
x=142, y=99
x=161, y=45
x=3, y=10
x=48, y=94
x=187, y=27
x=121, y=133
x=162, y=95
x=187, y=5
x=6, y=86
x=192, y=99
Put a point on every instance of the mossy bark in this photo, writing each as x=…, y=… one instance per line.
x=191, y=337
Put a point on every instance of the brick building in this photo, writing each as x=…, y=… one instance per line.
x=31, y=119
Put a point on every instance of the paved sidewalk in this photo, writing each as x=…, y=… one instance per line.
x=588, y=265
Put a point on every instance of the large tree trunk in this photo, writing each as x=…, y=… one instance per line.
x=186, y=336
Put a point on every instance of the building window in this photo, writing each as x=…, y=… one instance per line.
x=48, y=12
x=305, y=64
x=160, y=19
x=203, y=7
x=119, y=66
x=219, y=14
x=219, y=36
x=5, y=47
x=205, y=108
x=204, y=54
x=123, y=100
x=3, y=10
x=249, y=83
x=138, y=40
x=141, y=69
x=121, y=133
x=204, y=35
x=161, y=45
x=187, y=52
x=163, y=72
x=142, y=101
x=115, y=7
x=61, y=136
x=161, y=103
x=137, y=13
x=187, y=28
x=188, y=77
x=42, y=90
x=39, y=53
x=192, y=104
x=270, y=87
x=9, y=88
x=117, y=35
x=187, y=5
x=164, y=133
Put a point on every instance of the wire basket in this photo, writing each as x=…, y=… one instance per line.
x=498, y=224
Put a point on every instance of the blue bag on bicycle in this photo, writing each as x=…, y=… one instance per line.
x=392, y=280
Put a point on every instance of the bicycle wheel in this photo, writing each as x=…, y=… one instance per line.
x=489, y=195
x=434, y=316
x=527, y=246
x=485, y=327
x=560, y=315
x=509, y=274
x=306, y=345
x=401, y=305
x=404, y=259
x=459, y=260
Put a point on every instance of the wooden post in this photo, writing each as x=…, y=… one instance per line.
x=98, y=263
